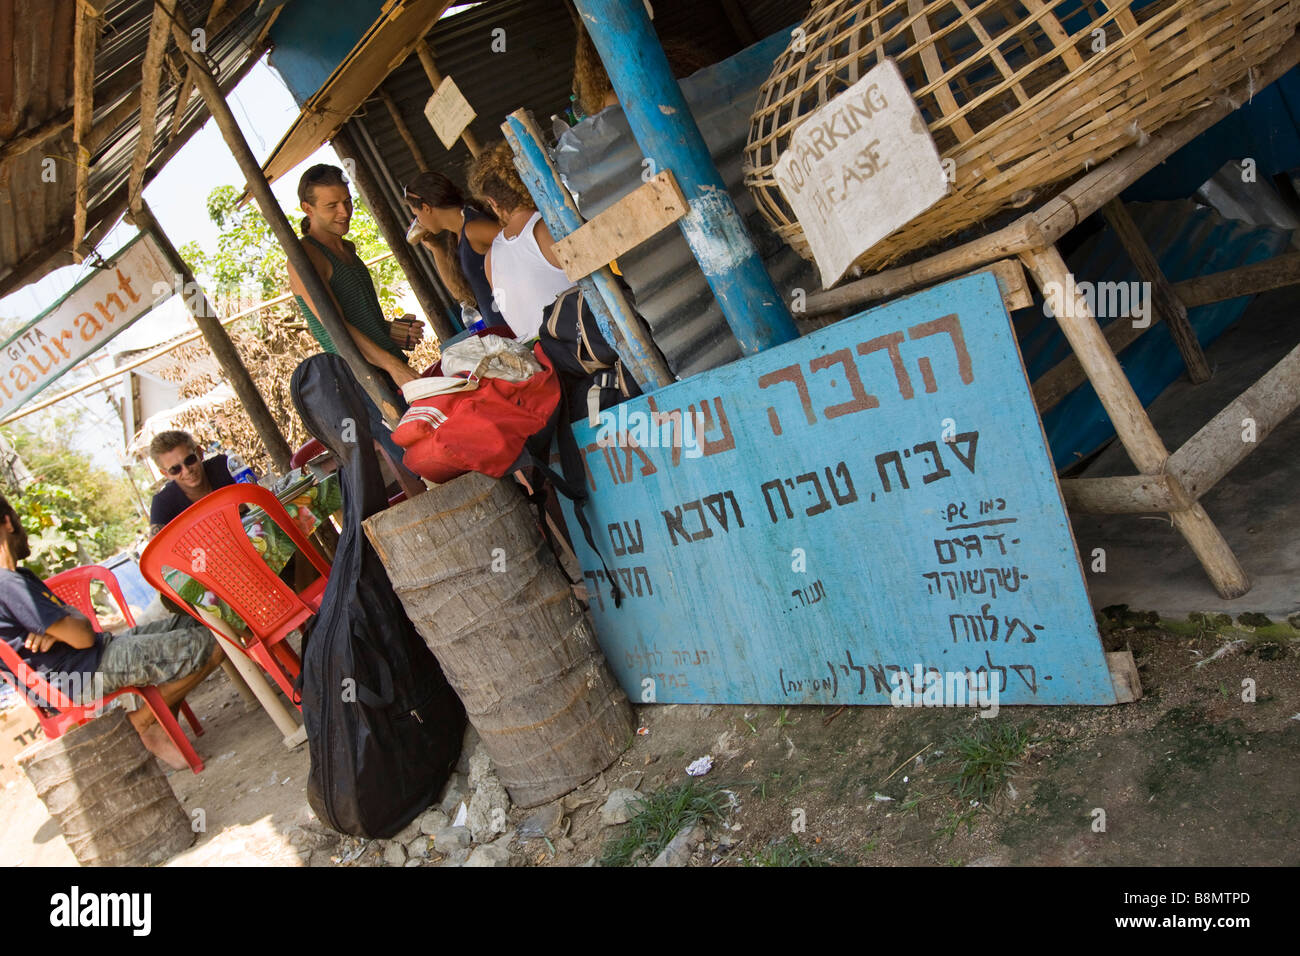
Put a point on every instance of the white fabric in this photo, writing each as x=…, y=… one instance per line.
x=524, y=284
x=479, y=356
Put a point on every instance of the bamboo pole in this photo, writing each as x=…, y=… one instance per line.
x=404, y=131
x=1164, y=301
x=425, y=54
x=223, y=350
x=86, y=36
x=367, y=377
x=1134, y=428
x=394, y=233
x=150, y=80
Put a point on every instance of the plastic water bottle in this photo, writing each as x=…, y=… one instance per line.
x=471, y=318
x=239, y=470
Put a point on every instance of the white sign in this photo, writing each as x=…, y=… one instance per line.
x=858, y=168
x=83, y=321
x=448, y=112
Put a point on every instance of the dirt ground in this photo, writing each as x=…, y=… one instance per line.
x=1190, y=774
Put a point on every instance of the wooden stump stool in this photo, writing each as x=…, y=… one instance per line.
x=108, y=795
x=478, y=581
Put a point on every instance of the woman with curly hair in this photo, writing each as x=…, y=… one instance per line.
x=520, y=265
x=461, y=234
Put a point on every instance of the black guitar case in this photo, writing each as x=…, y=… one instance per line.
x=384, y=728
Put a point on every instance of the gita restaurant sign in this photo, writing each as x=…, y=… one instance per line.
x=83, y=321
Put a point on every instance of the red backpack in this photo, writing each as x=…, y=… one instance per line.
x=482, y=425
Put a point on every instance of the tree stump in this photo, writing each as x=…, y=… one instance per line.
x=478, y=581
x=108, y=795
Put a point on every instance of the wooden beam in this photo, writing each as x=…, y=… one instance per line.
x=160, y=28
x=1163, y=301
x=34, y=136
x=425, y=54
x=1239, y=429
x=1132, y=424
x=1130, y=494
x=1274, y=273
x=651, y=207
x=85, y=39
x=403, y=130
x=218, y=340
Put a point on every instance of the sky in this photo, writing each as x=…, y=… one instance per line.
x=178, y=197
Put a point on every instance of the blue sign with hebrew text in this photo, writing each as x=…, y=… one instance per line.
x=839, y=516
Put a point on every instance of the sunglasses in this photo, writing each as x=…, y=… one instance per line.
x=189, y=462
x=413, y=199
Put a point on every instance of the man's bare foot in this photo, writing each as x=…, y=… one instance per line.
x=163, y=747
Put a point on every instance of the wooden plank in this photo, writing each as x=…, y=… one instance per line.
x=1237, y=431
x=1130, y=419
x=1129, y=494
x=651, y=207
x=1165, y=303
x=160, y=29
x=1124, y=676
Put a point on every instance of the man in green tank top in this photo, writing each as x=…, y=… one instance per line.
x=324, y=196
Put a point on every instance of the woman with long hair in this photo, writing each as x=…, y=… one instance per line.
x=461, y=232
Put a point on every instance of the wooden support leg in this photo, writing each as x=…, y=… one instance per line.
x=1134, y=428
x=1163, y=300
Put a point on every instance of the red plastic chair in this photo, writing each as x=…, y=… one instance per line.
x=208, y=542
x=62, y=714
x=73, y=587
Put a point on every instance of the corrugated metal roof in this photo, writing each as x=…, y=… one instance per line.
x=36, y=79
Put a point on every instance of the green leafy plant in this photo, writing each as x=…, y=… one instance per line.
x=659, y=817
x=986, y=759
x=791, y=851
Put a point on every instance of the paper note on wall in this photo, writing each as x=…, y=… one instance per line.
x=448, y=112
x=859, y=167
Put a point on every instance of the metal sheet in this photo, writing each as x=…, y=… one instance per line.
x=869, y=500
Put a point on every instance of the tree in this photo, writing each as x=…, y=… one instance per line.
x=74, y=512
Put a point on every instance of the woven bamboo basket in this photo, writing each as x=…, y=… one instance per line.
x=1019, y=95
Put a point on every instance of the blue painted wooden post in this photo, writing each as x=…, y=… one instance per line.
x=666, y=132
x=622, y=328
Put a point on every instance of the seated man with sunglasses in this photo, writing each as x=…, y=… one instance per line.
x=177, y=455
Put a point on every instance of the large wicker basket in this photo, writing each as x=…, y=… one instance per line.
x=1019, y=95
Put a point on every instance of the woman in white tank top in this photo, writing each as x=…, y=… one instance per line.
x=521, y=265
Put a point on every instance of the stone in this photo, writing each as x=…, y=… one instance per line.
x=450, y=839
x=617, y=807
x=433, y=821
x=454, y=794
x=493, y=854
x=413, y=863
x=469, y=744
x=394, y=854
x=490, y=803
x=679, y=849
x=418, y=847
x=408, y=832
x=480, y=768
x=543, y=821
x=457, y=857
